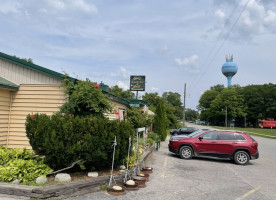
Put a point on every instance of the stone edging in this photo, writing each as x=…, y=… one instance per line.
x=60, y=191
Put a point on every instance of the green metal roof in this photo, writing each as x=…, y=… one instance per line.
x=137, y=101
x=33, y=67
x=4, y=83
x=114, y=97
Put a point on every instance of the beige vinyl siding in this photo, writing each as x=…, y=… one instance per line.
x=20, y=75
x=4, y=115
x=115, y=106
x=27, y=100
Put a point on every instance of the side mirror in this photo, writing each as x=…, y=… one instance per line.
x=200, y=138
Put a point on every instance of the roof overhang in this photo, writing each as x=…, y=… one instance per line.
x=4, y=83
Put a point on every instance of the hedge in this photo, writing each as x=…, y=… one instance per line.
x=65, y=139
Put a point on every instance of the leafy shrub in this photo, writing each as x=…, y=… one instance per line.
x=153, y=136
x=84, y=98
x=65, y=139
x=149, y=141
x=21, y=164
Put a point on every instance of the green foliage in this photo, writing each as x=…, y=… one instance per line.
x=21, y=164
x=153, y=136
x=126, y=94
x=64, y=139
x=137, y=118
x=25, y=59
x=84, y=98
x=172, y=103
x=191, y=115
x=153, y=99
x=160, y=121
x=253, y=101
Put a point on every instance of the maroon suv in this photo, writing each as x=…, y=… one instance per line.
x=216, y=143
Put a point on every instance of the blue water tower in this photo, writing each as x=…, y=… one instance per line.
x=229, y=69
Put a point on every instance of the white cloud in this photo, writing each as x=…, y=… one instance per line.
x=189, y=65
x=125, y=73
x=255, y=20
x=9, y=7
x=83, y=6
x=220, y=14
x=192, y=61
x=154, y=89
x=123, y=85
x=270, y=20
x=71, y=5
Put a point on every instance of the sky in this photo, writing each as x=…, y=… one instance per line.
x=171, y=42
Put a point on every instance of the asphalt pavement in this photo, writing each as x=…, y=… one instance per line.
x=205, y=179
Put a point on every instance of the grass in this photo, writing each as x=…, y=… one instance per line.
x=267, y=133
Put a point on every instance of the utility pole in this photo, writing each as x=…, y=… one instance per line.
x=226, y=117
x=245, y=120
x=184, y=104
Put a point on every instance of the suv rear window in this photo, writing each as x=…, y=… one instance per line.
x=252, y=139
x=239, y=137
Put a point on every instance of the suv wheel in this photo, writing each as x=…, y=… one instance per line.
x=241, y=158
x=186, y=152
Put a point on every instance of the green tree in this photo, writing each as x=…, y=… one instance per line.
x=153, y=99
x=137, y=118
x=174, y=99
x=126, y=94
x=260, y=101
x=228, y=99
x=160, y=121
x=191, y=115
x=84, y=98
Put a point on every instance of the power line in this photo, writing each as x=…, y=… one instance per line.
x=227, y=35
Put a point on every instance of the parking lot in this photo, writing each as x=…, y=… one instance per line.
x=202, y=178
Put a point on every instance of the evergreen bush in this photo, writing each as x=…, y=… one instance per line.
x=65, y=139
x=160, y=121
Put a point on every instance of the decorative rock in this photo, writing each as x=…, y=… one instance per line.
x=117, y=188
x=93, y=174
x=41, y=180
x=122, y=167
x=130, y=182
x=62, y=177
x=16, y=181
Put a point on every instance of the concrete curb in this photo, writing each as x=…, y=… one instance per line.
x=61, y=191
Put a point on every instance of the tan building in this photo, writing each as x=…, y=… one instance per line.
x=26, y=88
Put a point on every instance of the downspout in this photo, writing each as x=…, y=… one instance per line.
x=9, y=121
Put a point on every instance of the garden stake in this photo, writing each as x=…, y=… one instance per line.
x=111, y=173
x=135, y=158
x=138, y=151
x=127, y=172
x=144, y=146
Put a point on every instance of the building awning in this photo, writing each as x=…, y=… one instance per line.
x=4, y=83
